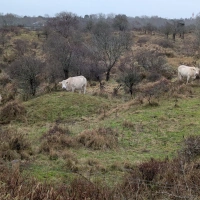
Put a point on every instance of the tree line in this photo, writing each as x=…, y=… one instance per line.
x=91, y=46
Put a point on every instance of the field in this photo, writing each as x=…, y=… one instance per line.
x=100, y=137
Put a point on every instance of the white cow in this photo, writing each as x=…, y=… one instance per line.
x=188, y=72
x=75, y=83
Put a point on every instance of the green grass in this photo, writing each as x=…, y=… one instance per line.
x=64, y=106
x=151, y=132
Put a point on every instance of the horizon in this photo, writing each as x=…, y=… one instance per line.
x=180, y=9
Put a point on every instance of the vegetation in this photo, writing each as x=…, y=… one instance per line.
x=133, y=135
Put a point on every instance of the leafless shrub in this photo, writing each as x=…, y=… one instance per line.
x=4, y=79
x=165, y=43
x=189, y=47
x=9, y=92
x=180, y=91
x=14, y=145
x=21, y=46
x=143, y=40
x=56, y=138
x=14, y=185
x=154, y=62
x=26, y=71
x=149, y=170
x=85, y=189
x=9, y=58
x=116, y=89
x=12, y=111
x=155, y=90
x=102, y=138
x=191, y=148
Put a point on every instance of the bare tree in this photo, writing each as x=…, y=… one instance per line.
x=21, y=47
x=108, y=47
x=197, y=29
x=130, y=74
x=177, y=27
x=64, y=23
x=3, y=36
x=166, y=29
x=120, y=22
x=26, y=71
x=67, y=52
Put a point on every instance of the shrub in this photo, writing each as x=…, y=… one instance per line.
x=143, y=40
x=4, y=79
x=165, y=43
x=9, y=92
x=12, y=111
x=14, y=145
x=156, y=89
x=102, y=138
x=56, y=138
x=191, y=148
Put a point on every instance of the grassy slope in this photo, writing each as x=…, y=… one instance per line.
x=144, y=131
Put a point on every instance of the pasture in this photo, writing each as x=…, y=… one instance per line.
x=142, y=132
x=59, y=137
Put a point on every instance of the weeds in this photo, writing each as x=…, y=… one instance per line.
x=14, y=145
x=102, y=138
x=12, y=111
x=56, y=138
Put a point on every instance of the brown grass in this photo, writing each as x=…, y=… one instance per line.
x=57, y=138
x=12, y=111
x=14, y=145
x=154, y=179
x=100, y=139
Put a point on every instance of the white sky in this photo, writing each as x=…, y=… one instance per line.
x=169, y=9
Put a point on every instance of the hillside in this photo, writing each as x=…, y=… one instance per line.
x=101, y=137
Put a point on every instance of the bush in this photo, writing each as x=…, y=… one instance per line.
x=12, y=111
x=191, y=148
x=102, y=138
x=4, y=79
x=165, y=43
x=14, y=145
x=56, y=138
x=143, y=40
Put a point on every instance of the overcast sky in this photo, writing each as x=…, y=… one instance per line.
x=169, y=9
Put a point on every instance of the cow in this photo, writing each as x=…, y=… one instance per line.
x=75, y=83
x=188, y=72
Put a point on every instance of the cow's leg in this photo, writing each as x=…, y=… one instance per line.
x=179, y=77
x=188, y=78
x=84, y=89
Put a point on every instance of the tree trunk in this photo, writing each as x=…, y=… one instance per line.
x=66, y=73
x=131, y=90
x=108, y=75
x=174, y=36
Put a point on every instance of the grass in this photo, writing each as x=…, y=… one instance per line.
x=144, y=132
x=62, y=106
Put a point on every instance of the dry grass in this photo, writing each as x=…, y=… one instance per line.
x=12, y=111
x=56, y=138
x=100, y=139
x=14, y=145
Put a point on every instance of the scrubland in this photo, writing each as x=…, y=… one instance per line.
x=104, y=145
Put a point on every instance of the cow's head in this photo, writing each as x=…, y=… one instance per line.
x=63, y=83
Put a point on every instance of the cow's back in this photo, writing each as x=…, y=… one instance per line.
x=78, y=81
x=184, y=70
